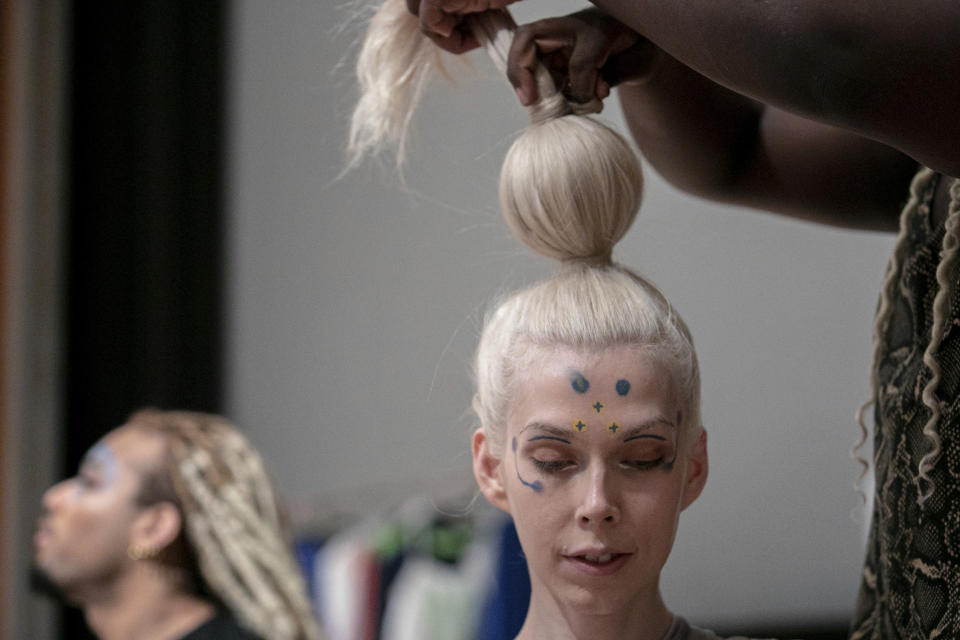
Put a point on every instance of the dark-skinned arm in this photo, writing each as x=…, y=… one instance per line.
x=709, y=140
x=717, y=144
x=885, y=70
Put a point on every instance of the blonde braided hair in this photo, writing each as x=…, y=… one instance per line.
x=232, y=524
x=946, y=275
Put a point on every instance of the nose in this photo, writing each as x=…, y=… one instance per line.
x=53, y=495
x=599, y=503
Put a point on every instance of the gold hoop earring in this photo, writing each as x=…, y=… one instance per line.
x=142, y=552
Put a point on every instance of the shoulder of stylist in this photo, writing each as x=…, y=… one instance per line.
x=442, y=20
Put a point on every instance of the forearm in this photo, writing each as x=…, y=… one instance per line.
x=886, y=71
x=717, y=144
x=796, y=55
x=695, y=133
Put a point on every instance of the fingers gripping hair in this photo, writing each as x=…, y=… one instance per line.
x=570, y=186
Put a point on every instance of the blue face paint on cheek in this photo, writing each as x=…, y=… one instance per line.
x=578, y=382
x=537, y=486
x=623, y=387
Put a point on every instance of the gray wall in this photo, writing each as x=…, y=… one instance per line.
x=355, y=304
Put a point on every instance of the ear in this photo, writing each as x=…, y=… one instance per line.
x=157, y=526
x=697, y=468
x=486, y=469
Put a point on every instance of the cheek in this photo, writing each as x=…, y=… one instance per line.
x=538, y=517
x=655, y=515
x=96, y=522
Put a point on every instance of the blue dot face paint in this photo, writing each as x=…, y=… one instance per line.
x=578, y=382
x=623, y=387
x=100, y=460
x=536, y=485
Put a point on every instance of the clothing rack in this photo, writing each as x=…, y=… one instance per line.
x=452, y=491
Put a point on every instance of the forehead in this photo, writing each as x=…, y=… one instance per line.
x=620, y=362
x=130, y=448
x=622, y=376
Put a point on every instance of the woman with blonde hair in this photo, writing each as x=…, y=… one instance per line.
x=588, y=399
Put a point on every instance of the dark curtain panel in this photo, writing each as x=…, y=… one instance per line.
x=144, y=222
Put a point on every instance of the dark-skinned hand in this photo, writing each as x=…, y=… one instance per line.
x=587, y=52
x=442, y=20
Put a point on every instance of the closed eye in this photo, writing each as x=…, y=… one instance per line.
x=87, y=481
x=551, y=466
x=642, y=465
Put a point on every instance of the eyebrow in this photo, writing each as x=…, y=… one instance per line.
x=551, y=432
x=558, y=438
x=634, y=432
x=639, y=431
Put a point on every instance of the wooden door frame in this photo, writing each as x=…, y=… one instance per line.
x=32, y=79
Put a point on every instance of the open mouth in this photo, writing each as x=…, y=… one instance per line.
x=601, y=564
x=599, y=560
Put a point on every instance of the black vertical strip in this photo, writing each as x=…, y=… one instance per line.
x=144, y=226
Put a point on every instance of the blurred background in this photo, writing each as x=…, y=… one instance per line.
x=175, y=231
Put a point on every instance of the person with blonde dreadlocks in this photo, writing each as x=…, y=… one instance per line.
x=823, y=111
x=170, y=531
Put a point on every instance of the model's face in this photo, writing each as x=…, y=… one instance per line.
x=84, y=533
x=595, y=474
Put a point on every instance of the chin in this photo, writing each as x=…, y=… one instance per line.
x=43, y=583
x=594, y=599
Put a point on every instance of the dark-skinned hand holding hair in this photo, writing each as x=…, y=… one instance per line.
x=819, y=110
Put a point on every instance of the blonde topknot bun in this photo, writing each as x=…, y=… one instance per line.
x=570, y=186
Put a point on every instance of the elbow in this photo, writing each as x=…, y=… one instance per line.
x=714, y=183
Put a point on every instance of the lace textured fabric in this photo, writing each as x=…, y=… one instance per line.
x=910, y=588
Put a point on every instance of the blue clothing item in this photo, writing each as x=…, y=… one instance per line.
x=306, y=552
x=506, y=609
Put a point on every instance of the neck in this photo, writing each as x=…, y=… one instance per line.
x=142, y=604
x=550, y=619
